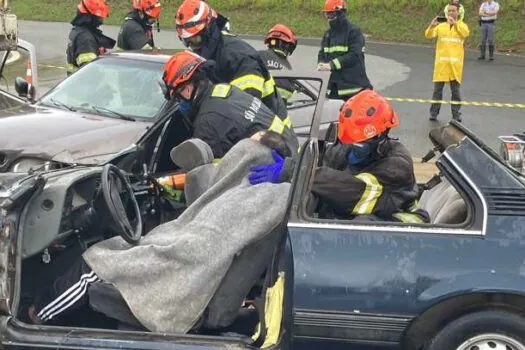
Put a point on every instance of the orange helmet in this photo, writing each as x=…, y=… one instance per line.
x=192, y=17
x=334, y=5
x=150, y=7
x=365, y=116
x=281, y=32
x=97, y=8
x=180, y=68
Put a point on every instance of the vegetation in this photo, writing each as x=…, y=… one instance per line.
x=390, y=20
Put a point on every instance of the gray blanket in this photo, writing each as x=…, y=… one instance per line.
x=169, y=278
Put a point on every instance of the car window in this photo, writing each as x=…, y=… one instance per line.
x=15, y=66
x=112, y=85
x=305, y=93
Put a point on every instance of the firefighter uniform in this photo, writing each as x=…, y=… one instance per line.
x=225, y=115
x=276, y=60
x=385, y=188
x=239, y=64
x=343, y=46
x=135, y=34
x=84, y=45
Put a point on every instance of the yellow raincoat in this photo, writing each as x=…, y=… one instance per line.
x=448, y=65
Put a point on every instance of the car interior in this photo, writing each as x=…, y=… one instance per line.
x=440, y=196
x=72, y=213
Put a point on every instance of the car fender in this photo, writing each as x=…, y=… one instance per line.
x=478, y=282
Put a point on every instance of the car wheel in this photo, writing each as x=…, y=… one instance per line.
x=484, y=330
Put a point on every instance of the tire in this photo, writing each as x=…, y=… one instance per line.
x=498, y=330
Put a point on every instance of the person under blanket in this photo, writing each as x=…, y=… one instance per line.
x=69, y=292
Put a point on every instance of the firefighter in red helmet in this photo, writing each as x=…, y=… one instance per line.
x=86, y=42
x=281, y=44
x=343, y=53
x=365, y=173
x=236, y=62
x=136, y=32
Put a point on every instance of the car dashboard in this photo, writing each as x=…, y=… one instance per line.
x=66, y=206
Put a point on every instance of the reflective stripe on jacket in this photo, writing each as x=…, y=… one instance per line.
x=382, y=188
x=450, y=51
x=276, y=61
x=343, y=46
x=227, y=115
x=84, y=45
x=239, y=64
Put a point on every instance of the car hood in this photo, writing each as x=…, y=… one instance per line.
x=63, y=136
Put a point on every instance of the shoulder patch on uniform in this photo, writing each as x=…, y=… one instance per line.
x=221, y=90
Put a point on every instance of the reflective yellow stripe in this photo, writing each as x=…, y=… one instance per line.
x=269, y=87
x=408, y=218
x=250, y=81
x=119, y=49
x=285, y=93
x=273, y=313
x=85, y=58
x=278, y=124
x=414, y=206
x=348, y=91
x=373, y=191
x=335, y=49
x=337, y=64
x=71, y=68
x=221, y=90
x=147, y=47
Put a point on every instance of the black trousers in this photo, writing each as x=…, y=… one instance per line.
x=68, y=293
x=438, y=95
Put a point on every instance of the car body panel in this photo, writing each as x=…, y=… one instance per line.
x=365, y=284
x=82, y=138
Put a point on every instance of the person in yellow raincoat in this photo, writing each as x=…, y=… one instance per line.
x=448, y=66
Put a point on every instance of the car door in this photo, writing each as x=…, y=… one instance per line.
x=363, y=283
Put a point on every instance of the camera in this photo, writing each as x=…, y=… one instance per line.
x=441, y=19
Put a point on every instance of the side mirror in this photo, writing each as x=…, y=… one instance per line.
x=21, y=87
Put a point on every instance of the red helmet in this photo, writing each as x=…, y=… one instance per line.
x=180, y=68
x=334, y=5
x=281, y=32
x=365, y=116
x=192, y=17
x=97, y=8
x=150, y=7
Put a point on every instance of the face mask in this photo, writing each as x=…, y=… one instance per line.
x=185, y=108
x=362, y=153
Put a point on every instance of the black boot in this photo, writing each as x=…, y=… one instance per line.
x=482, y=49
x=491, y=52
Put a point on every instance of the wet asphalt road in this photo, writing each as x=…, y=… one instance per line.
x=395, y=70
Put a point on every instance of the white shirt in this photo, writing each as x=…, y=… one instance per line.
x=489, y=7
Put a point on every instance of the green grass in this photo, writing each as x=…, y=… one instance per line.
x=390, y=20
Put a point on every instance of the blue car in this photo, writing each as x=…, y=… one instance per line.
x=455, y=283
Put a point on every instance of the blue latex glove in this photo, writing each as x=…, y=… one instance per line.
x=267, y=172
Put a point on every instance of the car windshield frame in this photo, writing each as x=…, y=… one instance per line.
x=56, y=97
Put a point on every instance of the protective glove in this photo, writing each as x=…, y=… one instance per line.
x=267, y=172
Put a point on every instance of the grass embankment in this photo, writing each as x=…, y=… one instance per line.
x=390, y=20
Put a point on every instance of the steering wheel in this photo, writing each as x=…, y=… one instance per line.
x=113, y=184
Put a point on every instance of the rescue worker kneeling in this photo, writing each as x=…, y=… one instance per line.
x=221, y=114
x=366, y=174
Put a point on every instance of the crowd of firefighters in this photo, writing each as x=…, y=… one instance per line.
x=225, y=88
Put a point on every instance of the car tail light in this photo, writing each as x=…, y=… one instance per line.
x=512, y=150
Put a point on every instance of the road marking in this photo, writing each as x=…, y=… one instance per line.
x=51, y=66
x=464, y=103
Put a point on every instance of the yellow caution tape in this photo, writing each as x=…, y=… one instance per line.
x=464, y=103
